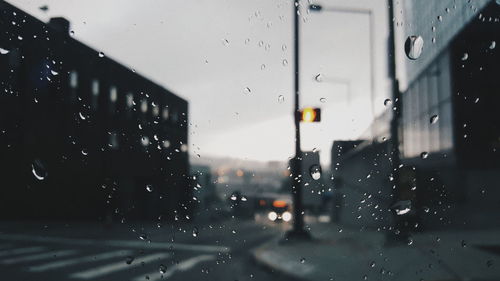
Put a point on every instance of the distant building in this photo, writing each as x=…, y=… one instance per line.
x=82, y=136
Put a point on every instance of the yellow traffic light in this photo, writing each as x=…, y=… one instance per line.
x=310, y=114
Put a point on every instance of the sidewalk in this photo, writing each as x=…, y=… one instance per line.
x=362, y=255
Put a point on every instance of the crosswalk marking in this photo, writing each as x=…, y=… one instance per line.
x=117, y=243
x=68, y=262
x=182, y=266
x=117, y=266
x=42, y=256
x=19, y=251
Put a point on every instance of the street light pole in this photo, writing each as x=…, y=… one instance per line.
x=298, y=231
x=368, y=12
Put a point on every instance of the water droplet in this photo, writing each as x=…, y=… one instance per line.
x=129, y=259
x=85, y=152
x=38, y=170
x=414, y=46
x=410, y=241
x=284, y=62
x=465, y=56
x=323, y=100
x=19, y=38
x=195, y=232
x=262, y=67
x=426, y=209
x=424, y=155
x=283, y=47
x=4, y=51
x=143, y=237
x=101, y=54
x=163, y=269
x=54, y=72
x=318, y=78
x=233, y=197
x=372, y=264
x=72, y=32
x=302, y=260
x=315, y=171
x=81, y=116
x=440, y=18
x=243, y=198
x=281, y=99
x=149, y=188
x=434, y=119
x=493, y=45
x=464, y=244
x=225, y=42
x=387, y=102
x=247, y=91
x=402, y=207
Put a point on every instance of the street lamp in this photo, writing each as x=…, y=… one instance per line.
x=340, y=81
x=368, y=12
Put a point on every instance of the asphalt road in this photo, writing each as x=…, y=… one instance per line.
x=134, y=251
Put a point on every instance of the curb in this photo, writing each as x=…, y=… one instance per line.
x=256, y=256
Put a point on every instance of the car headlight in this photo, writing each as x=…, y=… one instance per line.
x=287, y=216
x=272, y=216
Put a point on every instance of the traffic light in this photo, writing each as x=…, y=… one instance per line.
x=310, y=114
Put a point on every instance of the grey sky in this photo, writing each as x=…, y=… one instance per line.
x=208, y=52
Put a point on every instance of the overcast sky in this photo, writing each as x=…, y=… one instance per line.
x=209, y=51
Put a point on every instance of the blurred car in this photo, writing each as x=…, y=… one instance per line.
x=280, y=211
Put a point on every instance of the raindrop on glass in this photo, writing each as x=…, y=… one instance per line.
x=465, y=56
x=424, y=155
x=414, y=46
x=247, y=90
x=163, y=269
x=195, y=232
x=493, y=45
x=315, y=172
x=387, y=102
x=149, y=188
x=101, y=54
x=38, y=170
x=318, y=78
x=284, y=62
x=302, y=260
x=4, y=51
x=129, y=259
x=402, y=207
x=434, y=119
x=281, y=99
x=54, y=72
x=323, y=100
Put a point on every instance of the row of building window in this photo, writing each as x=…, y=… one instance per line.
x=427, y=111
x=130, y=103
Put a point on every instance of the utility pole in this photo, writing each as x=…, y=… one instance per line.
x=298, y=231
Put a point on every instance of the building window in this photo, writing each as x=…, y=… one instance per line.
x=73, y=79
x=144, y=106
x=95, y=93
x=113, y=94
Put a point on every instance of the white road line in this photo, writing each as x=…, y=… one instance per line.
x=117, y=266
x=118, y=243
x=19, y=251
x=86, y=259
x=182, y=266
x=42, y=256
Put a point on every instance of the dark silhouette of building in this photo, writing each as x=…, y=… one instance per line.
x=449, y=129
x=82, y=136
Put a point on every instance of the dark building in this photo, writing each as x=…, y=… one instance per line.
x=449, y=130
x=82, y=136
